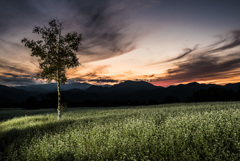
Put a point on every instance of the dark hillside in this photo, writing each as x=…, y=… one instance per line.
x=125, y=93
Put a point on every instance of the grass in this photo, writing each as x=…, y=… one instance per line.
x=201, y=131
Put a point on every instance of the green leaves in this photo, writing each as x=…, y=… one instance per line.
x=56, y=53
x=73, y=40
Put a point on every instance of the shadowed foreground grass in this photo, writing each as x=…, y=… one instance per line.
x=204, y=131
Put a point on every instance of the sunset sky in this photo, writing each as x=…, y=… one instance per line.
x=165, y=42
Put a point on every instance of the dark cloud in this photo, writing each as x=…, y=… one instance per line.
x=150, y=76
x=11, y=75
x=13, y=67
x=103, y=80
x=16, y=15
x=220, y=60
x=16, y=81
x=186, y=51
x=105, y=27
x=104, y=23
x=74, y=80
x=97, y=74
x=11, y=79
x=91, y=74
x=15, y=74
x=233, y=40
x=205, y=67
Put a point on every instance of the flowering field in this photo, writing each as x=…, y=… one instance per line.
x=197, y=131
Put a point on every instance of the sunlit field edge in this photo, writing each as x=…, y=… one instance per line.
x=196, y=131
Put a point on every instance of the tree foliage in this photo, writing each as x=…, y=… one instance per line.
x=55, y=52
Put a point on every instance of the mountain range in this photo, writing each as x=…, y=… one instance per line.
x=125, y=93
x=52, y=87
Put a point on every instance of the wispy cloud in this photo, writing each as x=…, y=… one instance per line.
x=12, y=73
x=16, y=81
x=186, y=51
x=104, y=24
x=105, y=33
x=232, y=40
x=100, y=80
x=220, y=60
x=94, y=75
x=13, y=67
x=182, y=55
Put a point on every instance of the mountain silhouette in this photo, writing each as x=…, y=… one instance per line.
x=52, y=87
x=11, y=95
x=132, y=86
x=182, y=91
x=232, y=86
x=125, y=93
x=124, y=87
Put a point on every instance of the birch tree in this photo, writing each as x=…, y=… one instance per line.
x=56, y=53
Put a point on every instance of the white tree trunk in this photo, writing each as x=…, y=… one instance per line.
x=59, y=101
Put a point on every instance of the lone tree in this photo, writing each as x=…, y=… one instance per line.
x=55, y=53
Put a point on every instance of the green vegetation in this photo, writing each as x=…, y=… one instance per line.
x=55, y=53
x=202, y=131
